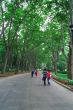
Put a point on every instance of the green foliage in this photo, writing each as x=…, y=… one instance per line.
x=70, y=82
x=28, y=45
x=62, y=78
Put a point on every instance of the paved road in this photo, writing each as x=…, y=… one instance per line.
x=22, y=92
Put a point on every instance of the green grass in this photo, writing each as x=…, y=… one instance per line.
x=62, y=77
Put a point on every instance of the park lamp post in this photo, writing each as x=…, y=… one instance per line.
x=71, y=28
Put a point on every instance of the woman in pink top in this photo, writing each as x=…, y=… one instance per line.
x=36, y=73
x=48, y=76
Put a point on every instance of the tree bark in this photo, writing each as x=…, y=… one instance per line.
x=71, y=19
x=8, y=50
x=54, y=60
x=69, y=62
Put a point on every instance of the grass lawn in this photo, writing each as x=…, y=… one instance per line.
x=65, y=76
x=62, y=78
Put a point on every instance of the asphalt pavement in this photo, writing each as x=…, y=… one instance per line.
x=21, y=92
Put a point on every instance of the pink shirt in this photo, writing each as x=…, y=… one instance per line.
x=48, y=74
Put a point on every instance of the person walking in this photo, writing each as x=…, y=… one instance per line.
x=32, y=73
x=36, y=73
x=44, y=76
x=48, y=76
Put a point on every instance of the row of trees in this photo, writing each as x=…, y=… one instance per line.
x=33, y=32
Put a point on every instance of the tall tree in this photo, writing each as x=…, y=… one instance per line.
x=71, y=39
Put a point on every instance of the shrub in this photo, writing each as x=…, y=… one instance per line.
x=70, y=82
x=62, y=78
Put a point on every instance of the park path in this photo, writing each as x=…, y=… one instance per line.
x=21, y=92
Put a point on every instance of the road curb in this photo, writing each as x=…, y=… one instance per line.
x=67, y=87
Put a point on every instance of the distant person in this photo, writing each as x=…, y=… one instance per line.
x=44, y=76
x=36, y=73
x=32, y=73
x=48, y=76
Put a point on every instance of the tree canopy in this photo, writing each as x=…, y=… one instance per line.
x=34, y=32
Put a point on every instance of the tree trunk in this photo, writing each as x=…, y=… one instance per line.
x=69, y=63
x=6, y=59
x=7, y=51
x=54, y=60
x=71, y=18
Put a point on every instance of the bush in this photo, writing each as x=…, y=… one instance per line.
x=70, y=82
x=62, y=78
x=63, y=72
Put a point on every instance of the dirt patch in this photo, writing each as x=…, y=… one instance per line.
x=6, y=74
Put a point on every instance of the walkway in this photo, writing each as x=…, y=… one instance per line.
x=22, y=92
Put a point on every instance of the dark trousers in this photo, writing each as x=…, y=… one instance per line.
x=32, y=74
x=44, y=79
x=48, y=80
